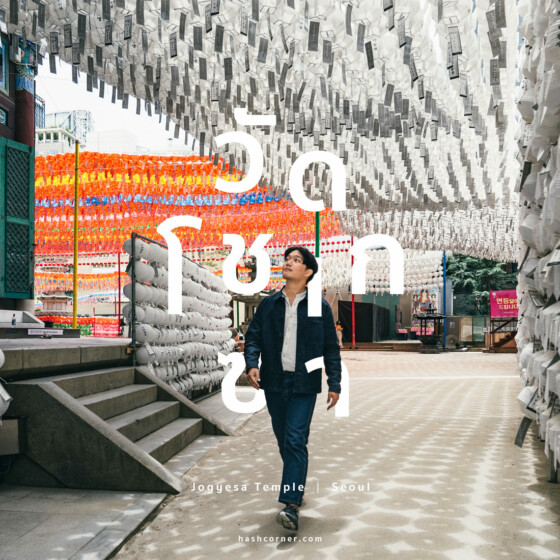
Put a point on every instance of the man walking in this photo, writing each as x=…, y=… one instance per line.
x=285, y=338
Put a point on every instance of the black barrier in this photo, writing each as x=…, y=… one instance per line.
x=371, y=321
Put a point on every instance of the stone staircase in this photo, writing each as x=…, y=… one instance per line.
x=506, y=344
x=115, y=428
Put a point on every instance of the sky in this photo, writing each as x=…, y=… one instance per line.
x=61, y=94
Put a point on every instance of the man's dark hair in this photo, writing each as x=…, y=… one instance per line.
x=308, y=259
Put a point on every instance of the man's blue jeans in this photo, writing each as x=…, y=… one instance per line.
x=291, y=415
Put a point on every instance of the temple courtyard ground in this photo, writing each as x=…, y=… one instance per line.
x=424, y=467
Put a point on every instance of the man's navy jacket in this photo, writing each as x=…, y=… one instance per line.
x=316, y=337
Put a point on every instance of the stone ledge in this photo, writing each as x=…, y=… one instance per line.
x=27, y=363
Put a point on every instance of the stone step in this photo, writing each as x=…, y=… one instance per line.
x=138, y=423
x=112, y=403
x=171, y=439
x=90, y=382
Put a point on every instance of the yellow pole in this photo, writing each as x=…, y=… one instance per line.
x=76, y=205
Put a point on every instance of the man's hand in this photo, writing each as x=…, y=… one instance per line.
x=254, y=377
x=333, y=399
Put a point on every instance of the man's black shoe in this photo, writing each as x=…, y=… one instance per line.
x=288, y=518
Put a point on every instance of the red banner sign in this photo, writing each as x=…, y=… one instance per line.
x=503, y=303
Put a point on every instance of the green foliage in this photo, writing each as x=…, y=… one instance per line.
x=470, y=276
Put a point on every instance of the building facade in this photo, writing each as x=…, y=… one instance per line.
x=18, y=63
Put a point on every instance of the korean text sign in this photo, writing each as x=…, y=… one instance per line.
x=503, y=303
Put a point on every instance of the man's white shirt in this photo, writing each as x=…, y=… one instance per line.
x=290, y=332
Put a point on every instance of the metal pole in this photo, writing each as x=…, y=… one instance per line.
x=119, y=287
x=132, y=327
x=353, y=310
x=317, y=233
x=237, y=320
x=444, y=301
x=76, y=206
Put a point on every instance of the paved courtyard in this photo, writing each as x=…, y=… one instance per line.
x=427, y=457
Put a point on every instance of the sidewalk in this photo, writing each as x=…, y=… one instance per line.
x=428, y=448
x=60, y=524
x=65, y=524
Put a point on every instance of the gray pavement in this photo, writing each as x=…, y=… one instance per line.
x=64, y=524
x=61, y=524
x=429, y=464
x=426, y=454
